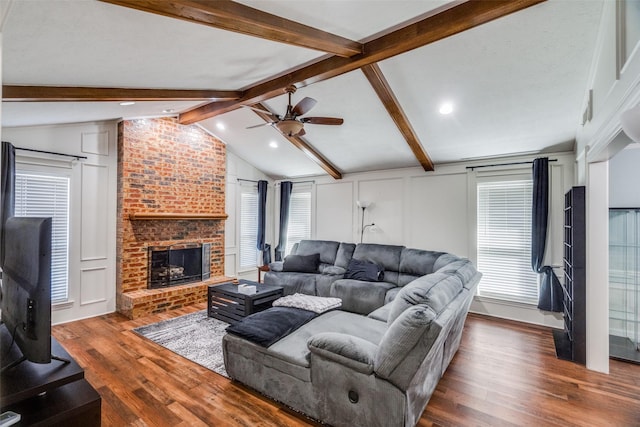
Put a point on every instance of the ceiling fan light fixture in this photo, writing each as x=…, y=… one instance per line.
x=289, y=127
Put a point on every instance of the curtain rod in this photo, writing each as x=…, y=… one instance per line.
x=505, y=164
x=52, y=152
x=300, y=182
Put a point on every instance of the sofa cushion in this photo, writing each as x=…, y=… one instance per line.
x=344, y=255
x=326, y=248
x=381, y=314
x=434, y=290
x=387, y=256
x=292, y=283
x=302, y=263
x=359, y=296
x=415, y=263
x=333, y=270
x=293, y=348
x=463, y=268
x=364, y=270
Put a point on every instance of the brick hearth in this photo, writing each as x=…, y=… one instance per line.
x=166, y=168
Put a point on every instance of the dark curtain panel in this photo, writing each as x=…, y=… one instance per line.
x=262, y=212
x=285, y=200
x=8, y=189
x=550, y=298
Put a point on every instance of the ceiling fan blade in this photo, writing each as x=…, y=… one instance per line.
x=301, y=133
x=303, y=106
x=260, y=125
x=322, y=120
x=259, y=110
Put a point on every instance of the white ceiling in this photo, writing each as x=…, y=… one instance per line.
x=517, y=83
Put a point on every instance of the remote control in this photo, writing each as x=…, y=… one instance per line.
x=9, y=418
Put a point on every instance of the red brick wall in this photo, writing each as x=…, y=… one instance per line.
x=165, y=167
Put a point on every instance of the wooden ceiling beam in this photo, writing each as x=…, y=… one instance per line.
x=76, y=94
x=449, y=22
x=302, y=145
x=232, y=16
x=373, y=73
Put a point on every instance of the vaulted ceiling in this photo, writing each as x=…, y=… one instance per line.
x=515, y=72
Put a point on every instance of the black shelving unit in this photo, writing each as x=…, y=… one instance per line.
x=571, y=342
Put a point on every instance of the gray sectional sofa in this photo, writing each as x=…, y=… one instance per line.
x=377, y=361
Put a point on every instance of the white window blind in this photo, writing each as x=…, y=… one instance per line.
x=48, y=196
x=248, y=228
x=504, y=241
x=299, y=218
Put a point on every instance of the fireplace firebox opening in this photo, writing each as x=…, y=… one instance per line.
x=178, y=264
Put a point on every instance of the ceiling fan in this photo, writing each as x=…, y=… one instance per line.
x=291, y=124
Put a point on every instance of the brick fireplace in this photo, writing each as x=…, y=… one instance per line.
x=171, y=191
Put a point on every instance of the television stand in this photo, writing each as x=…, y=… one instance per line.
x=49, y=393
x=24, y=358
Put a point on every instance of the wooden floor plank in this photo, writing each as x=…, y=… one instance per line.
x=505, y=374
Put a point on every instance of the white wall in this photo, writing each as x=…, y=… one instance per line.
x=237, y=169
x=431, y=210
x=92, y=220
x=616, y=88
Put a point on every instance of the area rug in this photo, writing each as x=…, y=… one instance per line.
x=194, y=336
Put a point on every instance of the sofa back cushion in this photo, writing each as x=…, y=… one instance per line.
x=433, y=290
x=464, y=269
x=415, y=263
x=386, y=256
x=344, y=255
x=326, y=248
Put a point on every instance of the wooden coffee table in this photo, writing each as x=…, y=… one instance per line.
x=225, y=303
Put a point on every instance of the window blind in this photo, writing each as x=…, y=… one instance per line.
x=248, y=228
x=504, y=241
x=299, y=218
x=48, y=196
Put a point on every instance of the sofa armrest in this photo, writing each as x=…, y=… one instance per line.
x=276, y=266
x=352, y=352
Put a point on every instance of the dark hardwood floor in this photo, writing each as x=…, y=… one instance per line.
x=505, y=374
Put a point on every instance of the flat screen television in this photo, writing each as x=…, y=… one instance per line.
x=26, y=288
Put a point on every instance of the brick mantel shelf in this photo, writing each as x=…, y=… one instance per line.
x=176, y=216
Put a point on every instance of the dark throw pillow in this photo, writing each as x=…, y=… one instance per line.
x=364, y=270
x=266, y=327
x=302, y=263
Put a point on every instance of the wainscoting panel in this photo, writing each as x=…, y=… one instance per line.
x=94, y=213
x=437, y=213
x=96, y=143
x=334, y=211
x=386, y=210
x=93, y=285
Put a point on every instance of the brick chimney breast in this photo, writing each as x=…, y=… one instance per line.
x=165, y=167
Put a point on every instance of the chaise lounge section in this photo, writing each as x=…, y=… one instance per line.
x=379, y=368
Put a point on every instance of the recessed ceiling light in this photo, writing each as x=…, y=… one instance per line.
x=125, y=103
x=446, y=108
x=273, y=144
x=168, y=110
x=220, y=125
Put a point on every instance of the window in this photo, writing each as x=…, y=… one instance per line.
x=504, y=241
x=48, y=196
x=299, y=218
x=248, y=227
